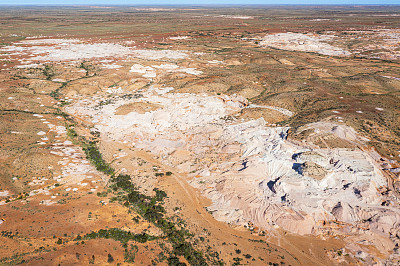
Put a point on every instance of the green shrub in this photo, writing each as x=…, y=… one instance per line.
x=94, y=155
x=119, y=235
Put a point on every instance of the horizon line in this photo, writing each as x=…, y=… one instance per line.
x=158, y=5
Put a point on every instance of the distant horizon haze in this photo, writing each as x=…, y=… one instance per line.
x=199, y=2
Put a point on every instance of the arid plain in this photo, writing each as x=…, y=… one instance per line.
x=264, y=135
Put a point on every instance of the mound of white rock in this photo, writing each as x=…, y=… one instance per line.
x=251, y=172
x=304, y=43
x=74, y=49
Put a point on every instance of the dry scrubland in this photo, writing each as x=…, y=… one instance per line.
x=219, y=136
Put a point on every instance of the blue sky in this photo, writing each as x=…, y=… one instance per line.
x=190, y=2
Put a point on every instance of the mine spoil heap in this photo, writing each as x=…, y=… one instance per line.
x=258, y=176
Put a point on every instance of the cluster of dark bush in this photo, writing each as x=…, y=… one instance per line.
x=95, y=157
x=150, y=208
x=120, y=235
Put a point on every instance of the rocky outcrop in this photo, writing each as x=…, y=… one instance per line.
x=313, y=170
x=304, y=43
x=249, y=171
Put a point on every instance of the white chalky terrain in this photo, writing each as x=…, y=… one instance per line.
x=151, y=71
x=73, y=49
x=304, y=43
x=250, y=171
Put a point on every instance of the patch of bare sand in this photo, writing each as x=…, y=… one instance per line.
x=210, y=87
x=138, y=107
x=270, y=116
x=43, y=86
x=90, y=86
